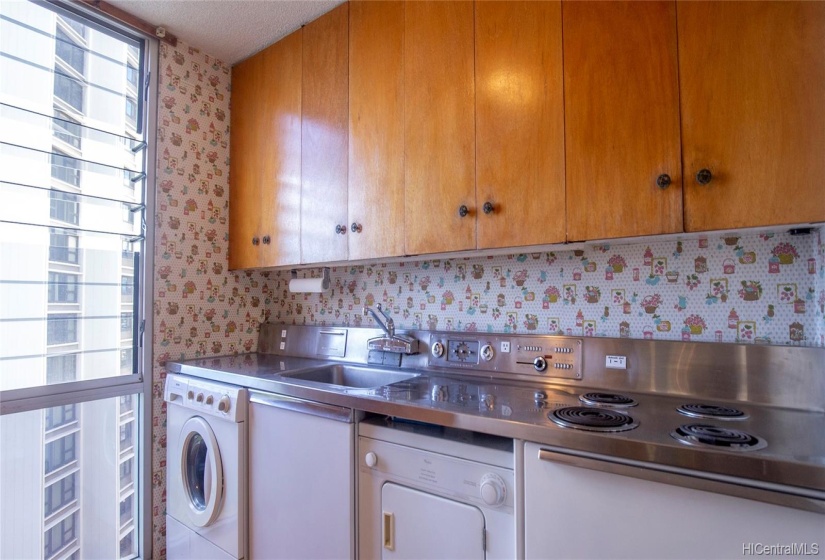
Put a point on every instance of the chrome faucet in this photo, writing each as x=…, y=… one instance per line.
x=391, y=342
x=388, y=326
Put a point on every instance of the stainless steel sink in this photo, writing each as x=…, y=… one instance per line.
x=359, y=377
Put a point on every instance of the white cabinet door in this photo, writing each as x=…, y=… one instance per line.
x=575, y=512
x=419, y=526
x=301, y=478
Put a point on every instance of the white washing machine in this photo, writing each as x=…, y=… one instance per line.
x=206, y=470
x=428, y=492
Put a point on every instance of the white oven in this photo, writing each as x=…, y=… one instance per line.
x=577, y=505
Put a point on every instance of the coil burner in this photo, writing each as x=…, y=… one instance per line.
x=721, y=438
x=607, y=399
x=698, y=410
x=592, y=419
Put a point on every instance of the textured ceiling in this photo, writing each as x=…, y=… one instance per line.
x=230, y=30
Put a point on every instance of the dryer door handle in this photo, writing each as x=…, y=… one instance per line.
x=388, y=531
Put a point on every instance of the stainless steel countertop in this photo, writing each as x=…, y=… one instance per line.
x=779, y=473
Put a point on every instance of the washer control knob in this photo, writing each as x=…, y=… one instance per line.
x=540, y=364
x=209, y=400
x=487, y=352
x=224, y=404
x=199, y=398
x=190, y=395
x=437, y=349
x=493, y=489
x=371, y=459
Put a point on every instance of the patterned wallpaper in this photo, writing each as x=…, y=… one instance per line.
x=767, y=288
x=749, y=288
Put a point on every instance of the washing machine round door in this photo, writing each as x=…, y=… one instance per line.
x=201, y=472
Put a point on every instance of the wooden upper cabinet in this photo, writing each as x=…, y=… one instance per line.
x=245, y=184
x=439, y=164
x=324, y=138
x=265, y=153
x=621, y=119
x=376, y=129
x=752, y=80
x=520, y=123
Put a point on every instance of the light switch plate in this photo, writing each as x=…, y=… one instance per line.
x=615, y=362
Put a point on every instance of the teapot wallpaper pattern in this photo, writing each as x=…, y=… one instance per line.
x=767, y=288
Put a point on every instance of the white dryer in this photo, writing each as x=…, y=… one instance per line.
x=206, y=470
x=428, y=492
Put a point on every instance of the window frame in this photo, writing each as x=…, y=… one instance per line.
x=139, y=383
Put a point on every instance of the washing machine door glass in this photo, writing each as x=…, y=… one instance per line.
x=201, y=472
x=416, y=525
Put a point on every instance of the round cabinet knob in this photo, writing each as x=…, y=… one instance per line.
x=199, y=398
x=540, y=364
x=224, y=404
x=493, y=490
x=704, y=176
x=663, y=181
x=266, y=239
x=209, y=400
x=487, y=352
x=356, y=228
x=255, y=241
x=371, y=459
x=190, y=395
x=437, y=349
x=341, y=230
x=488, y=207
x=463, y=210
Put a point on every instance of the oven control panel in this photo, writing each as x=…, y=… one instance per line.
x=552, y=357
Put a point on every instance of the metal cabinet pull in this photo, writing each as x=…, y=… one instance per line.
x=340, y=229
x=663, y=181
x=704, y=176
x=356, y=227
x=463, y=210
x=488, y=207
x=266, y=239
x=255, y=241
x=388, y=531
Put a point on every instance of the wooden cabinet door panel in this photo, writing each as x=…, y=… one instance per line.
x=376, y=129
x=520, y=123
x=752, y=78
x=248, y=82
x=439, y=164
x=621, y=119
x=324, y=137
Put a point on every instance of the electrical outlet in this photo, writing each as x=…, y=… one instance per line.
x=505, y=346
x=615, y=362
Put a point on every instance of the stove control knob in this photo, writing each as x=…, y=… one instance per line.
x=437, y=349
x=371, y=459
x=540, y=396
x=199, y=398
x=209, y=400
x=487, y=352
x=190, y=395
x=488, y=401
x=224, y=404
x=493, y=489
x=540, y=364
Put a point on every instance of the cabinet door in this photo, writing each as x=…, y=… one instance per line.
x=752, y=78
x=439, y=165
x=621, y=119
x=246, y=190
x=520, y=123
x=376, y=129
x=324, y=138
x=265, y=182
